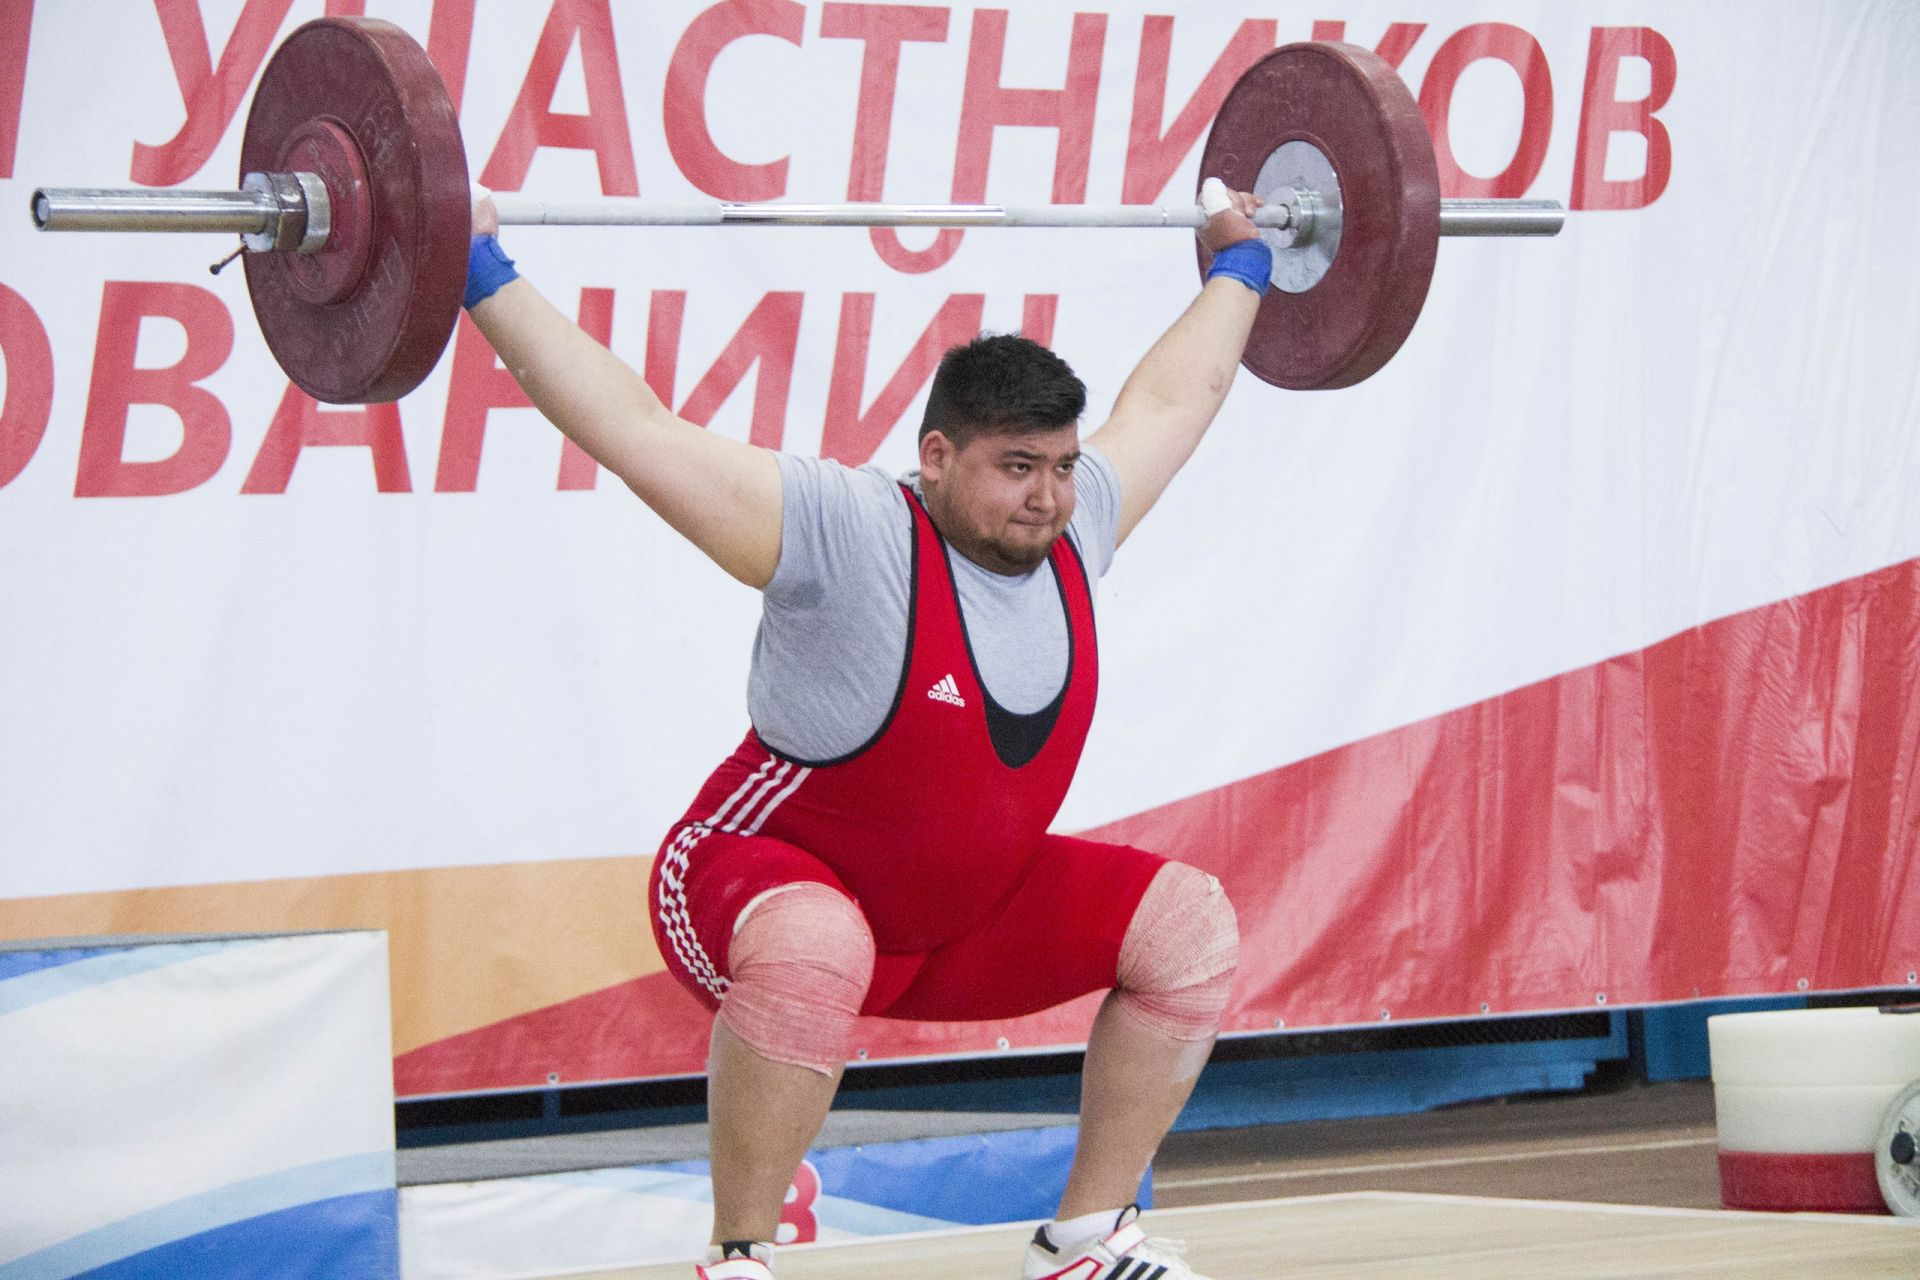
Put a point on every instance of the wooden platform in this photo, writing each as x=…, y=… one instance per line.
x=1417, y=1237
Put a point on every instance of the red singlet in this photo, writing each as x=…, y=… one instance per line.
x=936, y=828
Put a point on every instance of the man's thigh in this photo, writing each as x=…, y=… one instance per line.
x=702, y=880
x=1057, y=937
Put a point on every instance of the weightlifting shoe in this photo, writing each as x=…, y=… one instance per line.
x=737, y=1260
x=1125, y=1253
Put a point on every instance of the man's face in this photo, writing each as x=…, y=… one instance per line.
x=1003, y=499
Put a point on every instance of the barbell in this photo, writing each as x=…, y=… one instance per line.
x=354, y=210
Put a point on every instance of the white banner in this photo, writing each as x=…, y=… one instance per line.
x=189, y=1106
x=406, y=645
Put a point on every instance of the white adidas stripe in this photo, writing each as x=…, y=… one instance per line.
x=779, y=776
x=719, y=815
x=673, y=874
x=673, y=910
x=779, y=799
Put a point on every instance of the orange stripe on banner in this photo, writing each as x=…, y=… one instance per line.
x=469, y=946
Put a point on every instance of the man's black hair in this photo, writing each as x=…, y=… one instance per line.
x=999, y=384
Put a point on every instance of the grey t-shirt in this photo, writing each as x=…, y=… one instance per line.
x=833, y=627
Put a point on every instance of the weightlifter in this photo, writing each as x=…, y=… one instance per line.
x=920, y=691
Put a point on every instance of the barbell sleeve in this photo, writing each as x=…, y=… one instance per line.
x=1501, y=217
x=140, y=209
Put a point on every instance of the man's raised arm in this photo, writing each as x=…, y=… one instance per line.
x=724, y=496
x=1175, y=391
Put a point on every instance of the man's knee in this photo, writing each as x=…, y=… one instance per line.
x=1178, y=958
x=801, y=959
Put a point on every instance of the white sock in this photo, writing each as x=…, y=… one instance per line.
x=1074, y=1231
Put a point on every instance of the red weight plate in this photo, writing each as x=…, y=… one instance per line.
x=356, y=100
x=1352, y=105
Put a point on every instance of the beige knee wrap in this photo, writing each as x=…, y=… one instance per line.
x=1178, y=958
x=800, y=961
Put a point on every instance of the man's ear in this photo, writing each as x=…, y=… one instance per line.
x=936, y=452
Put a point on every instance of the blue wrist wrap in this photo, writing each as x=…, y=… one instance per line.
x=1250, y=262
x=488, y=267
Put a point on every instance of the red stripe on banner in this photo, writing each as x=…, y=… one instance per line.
x=1788, y=1183
x=1727, y=812
x=646, y=1027
x=1724, y=813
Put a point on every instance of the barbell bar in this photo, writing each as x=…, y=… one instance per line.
x=257, y=212
x=1457, y=217
x=354, y=210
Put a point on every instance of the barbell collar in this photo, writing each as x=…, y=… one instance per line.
x=267, y=216
x=303, y=217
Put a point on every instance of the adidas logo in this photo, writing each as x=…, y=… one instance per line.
x=945, y=690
